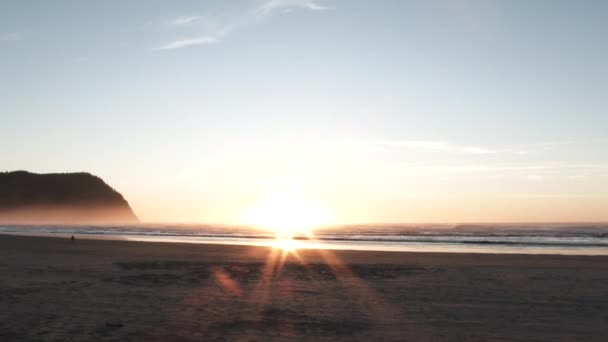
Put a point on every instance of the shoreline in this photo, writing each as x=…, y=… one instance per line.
x=250, y=253
x=368, y=246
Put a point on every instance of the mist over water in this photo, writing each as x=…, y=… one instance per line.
x=533, y=238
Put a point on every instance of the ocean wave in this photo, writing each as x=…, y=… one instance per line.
x=537, y=235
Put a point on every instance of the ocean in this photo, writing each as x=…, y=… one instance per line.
x=529, y=238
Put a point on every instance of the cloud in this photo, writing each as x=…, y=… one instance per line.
x=209, y=29
x=177, y=44
x=185, y=20
x=11, y=37
x=436, y=146
x=554, y=195
x=449, y=147
x=287, y=5
x=316, y=7
x=535, y=171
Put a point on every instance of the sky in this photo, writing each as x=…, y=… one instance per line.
x=378, y=111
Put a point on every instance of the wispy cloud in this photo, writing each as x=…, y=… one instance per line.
x=185, y=20
x=209, y=29
x=316, y=7
x=274, y=5
x=533, y=171
x=436, y=146
x=11, y=37
x=177, y=44
x=450, y=147
x=555, y=195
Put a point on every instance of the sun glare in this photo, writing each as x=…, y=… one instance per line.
x=286, y=244
x=287, y=214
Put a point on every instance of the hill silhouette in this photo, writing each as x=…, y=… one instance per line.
x=73, y=198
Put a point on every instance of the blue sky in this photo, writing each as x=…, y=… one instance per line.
x=383, y=111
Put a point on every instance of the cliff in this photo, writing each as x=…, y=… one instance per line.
x=72, y=198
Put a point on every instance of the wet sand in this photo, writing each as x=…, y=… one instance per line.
x=58, y=290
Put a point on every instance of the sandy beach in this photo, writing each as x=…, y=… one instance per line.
x=57, y=290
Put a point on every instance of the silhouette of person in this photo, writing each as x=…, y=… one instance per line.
x=72, y=238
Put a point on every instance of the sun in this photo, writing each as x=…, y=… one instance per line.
x=288, y=214
x=286, y=244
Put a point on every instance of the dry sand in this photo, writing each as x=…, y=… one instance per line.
x=57, y=290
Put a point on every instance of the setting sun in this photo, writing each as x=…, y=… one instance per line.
x=287, y=244
x=287, y=214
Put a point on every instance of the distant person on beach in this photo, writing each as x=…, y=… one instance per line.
x=72, y=238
